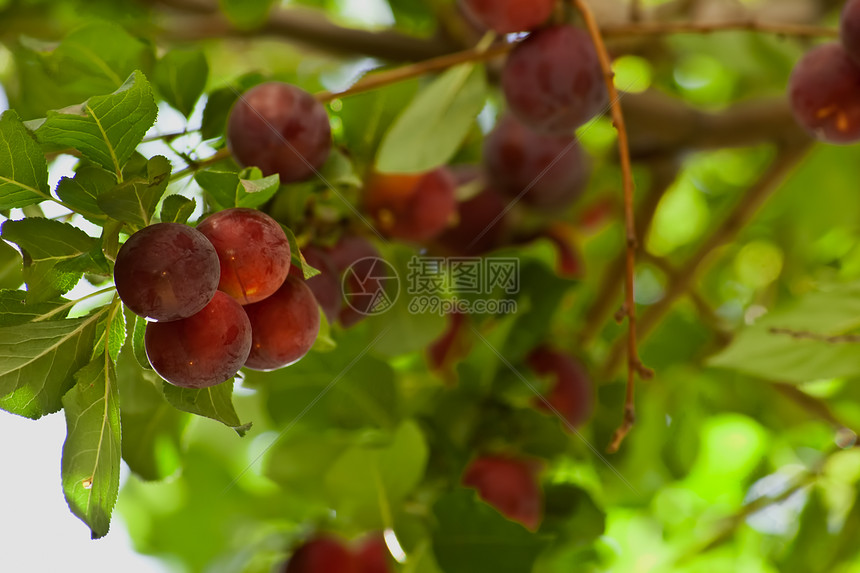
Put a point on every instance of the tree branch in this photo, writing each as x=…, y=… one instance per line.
x=664, y=171
x=752, y=200
x=199, y=19
x=669, y=28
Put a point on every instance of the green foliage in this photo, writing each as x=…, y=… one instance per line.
x=23, y=169
x=37, y=361
x=247, y=188
x=755, y=368
x=430, y=130
x=105, y=129
x=91, y=454
x=470, y=535
x=180, y=77
x=214, y=402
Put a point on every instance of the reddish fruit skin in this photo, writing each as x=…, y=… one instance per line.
x=547, y=172
x=253, y=251
x=371, y=555
x=452, y=346
x=348, y=252
x=571, y=394
x=850, y=29
x=284, y=326
x=204, y=349
x=322, y=555
x=482, y=223
x=509, y=16
x=824, y=92
x=553, y=81
x=166, y=271
x=280, y=129
x=326, y=285
x=412, y=207
x=510, y=485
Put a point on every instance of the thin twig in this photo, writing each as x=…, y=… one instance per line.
x=388, y=77
x=220, y=155
x=664, y=172
x=634, y=364
x=805, y=335
x=752, y=200
x=811, y=404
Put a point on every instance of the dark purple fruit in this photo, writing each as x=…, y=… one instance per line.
x=824, y=92
x=548, y=172
x=553, y=81
x=280, y=129
x=204, y=349
x=509, y=16
x=166, y=271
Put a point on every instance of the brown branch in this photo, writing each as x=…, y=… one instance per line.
x=804, y=335
x=403, y=73
x=669, y=28
x=196, y=166
x=664, y=172
x=752, y=200
x=200, y=19
x=634, y=364
x=660, y=124
x=812, y=405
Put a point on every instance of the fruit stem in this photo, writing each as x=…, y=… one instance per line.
x=221, y=154
x=634, y=364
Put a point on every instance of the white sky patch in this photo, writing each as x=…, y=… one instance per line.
x=37, y=531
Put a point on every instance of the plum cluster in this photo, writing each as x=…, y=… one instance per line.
x=824, y=89
x=217, y=298
x=328, y=554
x=553, y=83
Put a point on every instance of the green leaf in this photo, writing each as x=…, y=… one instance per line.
x=246, y=13
x=91, y=453
x=135, y=200
x=23, y=169
x=471, y=536
x=180, y=77
x=177, y=209
x=366, y=117
x=11, y=267
x=46, y=281
x=296, y=257
x=137, y=340
x=151, y=428
x=82, y=191
x=367, y=482
x=15, y=310
x=97, y=58
x=246, y=189
x=297, y=461
x=431, y=129
x=105, y=129
x=771, y=354
x=110, y=332
x=215, y=402
x=349, y=388
x=46, y=239
x=37, y=361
